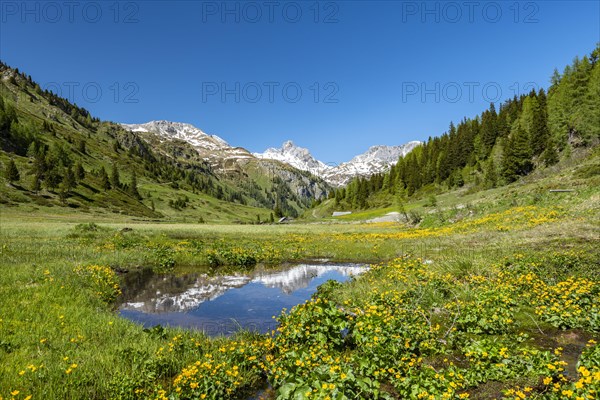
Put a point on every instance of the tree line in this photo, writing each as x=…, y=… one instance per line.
x=498, y=146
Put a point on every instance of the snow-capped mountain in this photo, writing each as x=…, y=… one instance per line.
x=182, y=131
x=226, y=160
x=211, y=147
x=162, y=294
x=295, y=156
x=224, y=157
x=375, y=160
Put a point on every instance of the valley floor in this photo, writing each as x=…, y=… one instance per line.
x=499, y=298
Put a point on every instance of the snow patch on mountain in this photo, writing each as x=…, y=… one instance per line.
x=210, y=146
x=297, y=157
x=182, y=131
x=375, y=160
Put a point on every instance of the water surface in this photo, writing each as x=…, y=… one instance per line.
x=221, y=304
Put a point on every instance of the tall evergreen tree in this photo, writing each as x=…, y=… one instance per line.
x=115, y=180
x=68, y=182
x=133, y=190
x=517, y=155
x=52, y=177
x=538, y=135
x=488, y=130
x=277, y=210
x=490, y=178
x=104, y=181
x=79, y=171
x=12, y=172
x=36, y=182
x=81, y=146
x=550, y=155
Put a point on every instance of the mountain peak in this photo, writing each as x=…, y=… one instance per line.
x=180, y=130
x=375, y=160
x=298, y=157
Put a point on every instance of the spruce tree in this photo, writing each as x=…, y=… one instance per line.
x=538, y=134
x=115, y=180
x=550, y=155
x=490, y=178
x=52, y=176
x=517, y=155
x=104, y=181
x=277, y=211
x=488, y=130
x=68, y=182
x=36, y=182
x=12, y=172
x=400, y=200
x=79, y=171
x=133, y=191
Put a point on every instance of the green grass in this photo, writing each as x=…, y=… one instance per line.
x=53, y=315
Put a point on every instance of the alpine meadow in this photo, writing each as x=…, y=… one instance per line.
x=143, y=258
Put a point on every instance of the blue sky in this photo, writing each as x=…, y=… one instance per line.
x=336, y=77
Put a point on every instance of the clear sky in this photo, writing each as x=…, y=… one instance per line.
x=333, y=76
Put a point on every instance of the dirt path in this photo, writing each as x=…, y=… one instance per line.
x=393, y=216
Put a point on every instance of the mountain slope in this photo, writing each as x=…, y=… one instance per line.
x=291, y=188
x=528, y=133
x=375, y=160
x=65, y=160
x=298, y=157
x=211, y=147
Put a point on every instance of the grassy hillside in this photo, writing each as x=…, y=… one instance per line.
x=47, y=138
x=578, y=173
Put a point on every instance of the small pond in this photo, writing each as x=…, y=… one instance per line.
x=222, y=304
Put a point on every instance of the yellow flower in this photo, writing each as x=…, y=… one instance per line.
x=14, y=392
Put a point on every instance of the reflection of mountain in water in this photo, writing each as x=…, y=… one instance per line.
x=165, y=294
x=169, y=293
x=300, y=276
